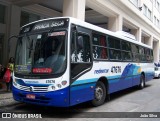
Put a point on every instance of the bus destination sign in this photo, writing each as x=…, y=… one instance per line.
x=42, y=25
x=45, y=25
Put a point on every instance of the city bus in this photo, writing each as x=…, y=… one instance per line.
x=64, y=61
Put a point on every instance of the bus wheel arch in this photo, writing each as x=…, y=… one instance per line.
x=100, y=92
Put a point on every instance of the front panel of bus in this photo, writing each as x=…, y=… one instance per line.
x=41, y=74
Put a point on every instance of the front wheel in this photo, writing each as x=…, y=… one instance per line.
x=99, y=94
x=142, y=82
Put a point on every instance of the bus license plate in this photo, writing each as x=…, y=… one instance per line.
x=30, y=96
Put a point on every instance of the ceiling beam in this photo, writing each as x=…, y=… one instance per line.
x=23, y=3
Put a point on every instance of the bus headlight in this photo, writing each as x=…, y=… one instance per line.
x=51, y=88
x=59, y=85
x=14, y=83
x=64, y=83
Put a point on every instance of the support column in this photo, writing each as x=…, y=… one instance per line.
x=156, y=50
x=135, y=33
x=150, y=41
x=74, y=8
x=14, y=28
x=139, y=35
x=115, y=23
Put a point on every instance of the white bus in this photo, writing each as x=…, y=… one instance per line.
x=64, y=61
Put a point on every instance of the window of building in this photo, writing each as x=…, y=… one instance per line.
x=154, y=20
x=157, y=23
x=147, y=12
x=28, y=17
x=135, y=2
x=2, y=14
x=154, y=3
x=157, y=5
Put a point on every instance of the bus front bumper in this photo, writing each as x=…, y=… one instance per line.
x=58, y=98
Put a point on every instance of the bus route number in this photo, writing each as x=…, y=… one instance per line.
x=116, y=69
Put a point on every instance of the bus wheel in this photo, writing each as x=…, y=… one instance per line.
x=159, y=76
x=142, y=82
x=99, y=94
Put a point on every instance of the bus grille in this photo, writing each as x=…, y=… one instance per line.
x=33, y=88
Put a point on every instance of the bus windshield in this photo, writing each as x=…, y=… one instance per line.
x=42, y=53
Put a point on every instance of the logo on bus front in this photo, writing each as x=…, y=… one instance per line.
x=31, y=88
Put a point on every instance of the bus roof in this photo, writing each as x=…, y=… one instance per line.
x=95, y=28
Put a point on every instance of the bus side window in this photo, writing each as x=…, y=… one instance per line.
x=100, y=50
x=147, y=53
x=115, y=48
x=151, y=55
x=83, y=48
x=135, y=52
x=142, y=54
x=80, y=53
x=80, y=48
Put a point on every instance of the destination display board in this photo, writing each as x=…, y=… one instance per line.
x=45, y=25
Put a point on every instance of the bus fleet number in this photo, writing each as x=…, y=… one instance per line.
x=116, y=69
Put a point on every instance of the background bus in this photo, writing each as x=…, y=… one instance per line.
x=64, y=61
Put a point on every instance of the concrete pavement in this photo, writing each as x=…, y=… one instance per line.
x=6, y=98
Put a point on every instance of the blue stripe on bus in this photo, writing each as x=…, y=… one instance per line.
x=84, y=81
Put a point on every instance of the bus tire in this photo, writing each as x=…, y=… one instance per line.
x=159, y=76
x=142, y=82
x=99, y=94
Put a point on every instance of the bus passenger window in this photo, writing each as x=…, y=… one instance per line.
x=99, y=46
x=135, y=52
x=115, y=54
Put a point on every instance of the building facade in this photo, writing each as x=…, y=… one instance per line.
x=138, y=17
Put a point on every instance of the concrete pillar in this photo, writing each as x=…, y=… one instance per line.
x=135, y=33
x=139, y=35
x=14, y=28
x=119, y=23
x=151, y=38
x=149, y=42
x=74, y=8
x=156, y=51
x=112, y=24
x=115, y=23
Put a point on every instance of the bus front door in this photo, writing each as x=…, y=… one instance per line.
x=81, y=63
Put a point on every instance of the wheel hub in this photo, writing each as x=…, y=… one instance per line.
x=98, y=93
